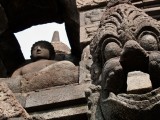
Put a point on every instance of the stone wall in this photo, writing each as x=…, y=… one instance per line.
x=91, y=12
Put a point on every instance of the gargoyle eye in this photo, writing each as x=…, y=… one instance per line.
x=149, y=42
x=111, y=50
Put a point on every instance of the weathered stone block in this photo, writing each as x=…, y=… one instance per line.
x=83, y=4
x=9, y=106
x=138, y=82
x=85, y=65
x=13, y=83
x=89, y=21
x=56, y=95
x=63, y=113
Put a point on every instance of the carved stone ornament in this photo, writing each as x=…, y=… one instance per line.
x=127, y=40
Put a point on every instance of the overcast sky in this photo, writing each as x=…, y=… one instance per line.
x=29, y=36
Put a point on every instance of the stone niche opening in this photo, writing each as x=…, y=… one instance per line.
x=29, y=36
x=138, y=82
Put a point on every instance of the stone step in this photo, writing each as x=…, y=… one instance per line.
x=72, y=113
x=152, y=11
x=58, y=103
x=56, y=96
x=146, y=3
x=151, y=7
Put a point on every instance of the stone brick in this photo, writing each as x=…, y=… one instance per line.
x=83, y=4
x=63, y=113
x=138, y=82
x=56, y=95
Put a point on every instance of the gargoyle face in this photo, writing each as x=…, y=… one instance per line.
x=128, y=36
x=127, y=40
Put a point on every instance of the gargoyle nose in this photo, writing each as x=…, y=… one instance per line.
x=132, y=50
x=133, y=57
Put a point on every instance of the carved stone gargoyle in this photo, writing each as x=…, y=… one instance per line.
x=127, y=40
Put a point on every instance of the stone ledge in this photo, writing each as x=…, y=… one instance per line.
x=63, y=113
x=148, y=4
x=56, y=95
x=88, y=4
